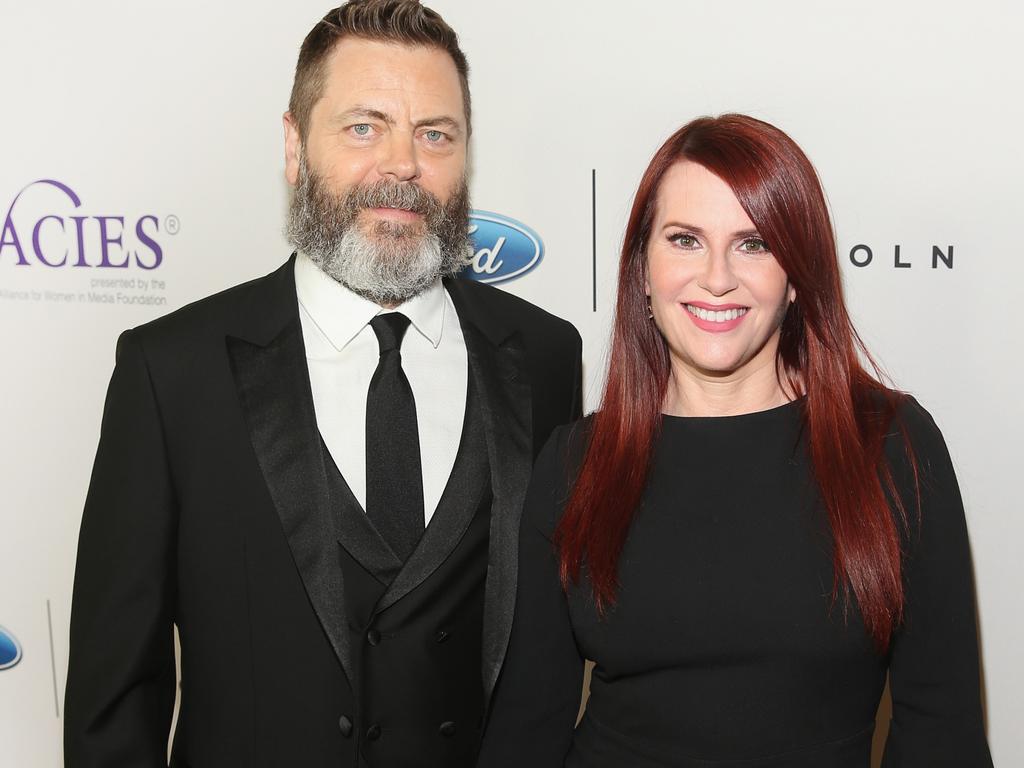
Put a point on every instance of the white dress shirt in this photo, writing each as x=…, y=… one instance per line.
x=342, y=354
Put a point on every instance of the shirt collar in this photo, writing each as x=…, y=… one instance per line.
x=341, y=314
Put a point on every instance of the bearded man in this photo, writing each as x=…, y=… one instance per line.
x=317, y=476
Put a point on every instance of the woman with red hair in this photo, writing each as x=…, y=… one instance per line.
x=752, y=532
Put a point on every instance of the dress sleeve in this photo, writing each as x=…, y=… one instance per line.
x=933, y=671
x=576, y=409
x=121, y=677
x=537, y=698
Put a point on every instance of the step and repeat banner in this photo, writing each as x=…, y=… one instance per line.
x=141, y=168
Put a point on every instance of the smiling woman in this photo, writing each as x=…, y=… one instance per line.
x=759, y=235
x=717, y=294
x=752, y=532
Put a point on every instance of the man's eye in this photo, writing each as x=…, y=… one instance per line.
x=362, y=129
x=434, y=136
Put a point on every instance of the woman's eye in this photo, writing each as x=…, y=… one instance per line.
x=684, y=240
x=754, y=245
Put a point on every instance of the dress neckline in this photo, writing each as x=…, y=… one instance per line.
x=778, y=411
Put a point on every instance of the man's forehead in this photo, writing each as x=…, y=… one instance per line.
x=370, y=65
x=405, y=84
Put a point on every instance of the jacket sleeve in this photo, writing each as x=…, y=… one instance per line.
x=933, y=672
x=538, y=696
x=121, y=675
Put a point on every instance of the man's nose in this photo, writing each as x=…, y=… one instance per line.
x=398, y=158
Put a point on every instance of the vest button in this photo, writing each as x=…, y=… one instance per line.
x=447, y=729
x=373, y=637
x=345, y=726
x=373, y=732
x=442, y=635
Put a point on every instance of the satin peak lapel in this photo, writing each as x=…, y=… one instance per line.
x=274, y=390
x=505, y=398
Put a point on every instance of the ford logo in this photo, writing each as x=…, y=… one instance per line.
x=10, y=650
x=503, y=248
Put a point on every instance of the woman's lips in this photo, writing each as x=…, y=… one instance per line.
x=716, y=318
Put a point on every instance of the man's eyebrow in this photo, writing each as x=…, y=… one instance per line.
x=363, y=112
x=442, y=121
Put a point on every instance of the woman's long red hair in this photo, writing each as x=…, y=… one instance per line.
x=847, y=412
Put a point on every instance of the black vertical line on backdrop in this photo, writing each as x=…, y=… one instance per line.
x=53, y=660
x=593, y=236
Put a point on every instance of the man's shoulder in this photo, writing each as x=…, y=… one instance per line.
x=513, y=310
x=220, y=313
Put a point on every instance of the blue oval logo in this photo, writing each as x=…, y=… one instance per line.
x=503, y=248
x=10, y=649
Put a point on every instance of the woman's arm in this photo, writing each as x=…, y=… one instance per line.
x=933, y=671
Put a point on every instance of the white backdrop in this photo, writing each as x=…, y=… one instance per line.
x=163, y=121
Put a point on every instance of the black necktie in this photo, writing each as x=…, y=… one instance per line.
x=394, y=478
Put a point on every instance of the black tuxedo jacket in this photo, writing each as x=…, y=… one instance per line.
x=209, y=509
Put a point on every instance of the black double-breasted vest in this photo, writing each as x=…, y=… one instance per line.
x=416, y=627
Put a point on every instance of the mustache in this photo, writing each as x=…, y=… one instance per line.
x=385, y=193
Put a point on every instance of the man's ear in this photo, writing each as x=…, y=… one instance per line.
x=292, y=148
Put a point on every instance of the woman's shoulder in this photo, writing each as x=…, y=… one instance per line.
x=922, y=469
x=561, y=457
x=914, y=429
x=555, y=471
x=568, y=442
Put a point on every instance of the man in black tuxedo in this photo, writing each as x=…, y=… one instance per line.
x=317, y=476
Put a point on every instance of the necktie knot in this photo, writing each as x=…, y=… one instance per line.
x=390, y=329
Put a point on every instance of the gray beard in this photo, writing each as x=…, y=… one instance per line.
x=394, y=261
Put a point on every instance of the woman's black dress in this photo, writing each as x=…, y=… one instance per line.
x=725, y=648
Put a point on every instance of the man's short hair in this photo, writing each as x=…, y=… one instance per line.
x=405, y=22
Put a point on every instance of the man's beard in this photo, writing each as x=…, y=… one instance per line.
x=392, y=262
